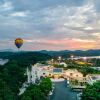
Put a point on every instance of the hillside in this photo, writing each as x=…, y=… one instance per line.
x=67, y=53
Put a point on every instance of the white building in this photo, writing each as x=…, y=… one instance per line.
x=72, y=73
x=28, y=72
x=32, y=74
x=37, y=71
x=96, y=68
x=92, y=78
x=64, y=64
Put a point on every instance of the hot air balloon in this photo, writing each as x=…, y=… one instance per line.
x=18, y=42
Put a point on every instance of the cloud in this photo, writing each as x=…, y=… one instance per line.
x=19, y=14
x=97, y=35
x=84, y=41
x=81, y=16
x=51, y=24
x=67, y=43
x=6, y=6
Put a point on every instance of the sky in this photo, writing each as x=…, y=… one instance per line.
x=50, y=24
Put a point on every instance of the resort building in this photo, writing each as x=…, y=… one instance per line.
x=37, y=71
x=72, y=73
x=40, y=70
x=92, y=78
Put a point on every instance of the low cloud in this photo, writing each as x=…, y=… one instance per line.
x=19, y=14
x=6, y=6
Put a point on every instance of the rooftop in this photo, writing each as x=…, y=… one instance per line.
x=57, y=70
x=97, y=77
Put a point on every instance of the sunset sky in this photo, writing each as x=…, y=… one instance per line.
x=50, y=24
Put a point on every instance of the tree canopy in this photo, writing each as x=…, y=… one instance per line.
x=38, y=92
x=12, y=74
x=92, y=92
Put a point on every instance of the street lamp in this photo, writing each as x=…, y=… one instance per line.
x=72, y=56
x=84, y=59
x=52, y=60
x=59, y=59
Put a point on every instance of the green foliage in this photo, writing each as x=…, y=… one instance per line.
x=84, y=69
x=88, y=70
x=58, y=66
x=33, y=92
x=46, y=85
x=5, y=92
x=12, y=73
x=38, y=92
x=92, y=92
x=25, y=58
x=96, y=62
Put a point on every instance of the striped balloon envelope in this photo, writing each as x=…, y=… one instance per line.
x=18, y=42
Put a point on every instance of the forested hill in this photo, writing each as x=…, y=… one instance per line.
x=67, y=53
x=45, y=53
x=25, y=56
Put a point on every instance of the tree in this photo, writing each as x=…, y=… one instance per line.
x=46, y=85
x=5, y=92
x=38, y=92
x=13, y=75
x=33, y=92
x=92, y=92
x=26, y=98
x=88, y=70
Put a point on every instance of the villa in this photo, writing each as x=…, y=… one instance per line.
x=92, y=78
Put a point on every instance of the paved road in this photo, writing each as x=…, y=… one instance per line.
x=62, y=92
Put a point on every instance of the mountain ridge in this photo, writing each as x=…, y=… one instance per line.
x=63, y=53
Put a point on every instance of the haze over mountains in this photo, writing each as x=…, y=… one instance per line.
x=63, y=53
x=75, y=52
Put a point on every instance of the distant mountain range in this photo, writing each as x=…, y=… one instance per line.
x=63, y=53
x=67, y=53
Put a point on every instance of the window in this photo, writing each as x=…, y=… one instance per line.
x=71, y=74
x=76, y=75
